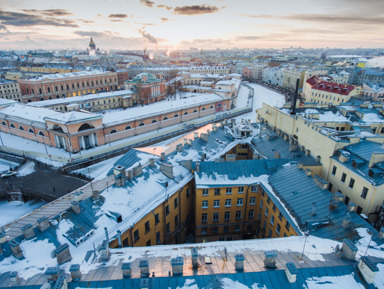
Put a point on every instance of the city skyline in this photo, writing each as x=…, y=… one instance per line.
x=166, y=24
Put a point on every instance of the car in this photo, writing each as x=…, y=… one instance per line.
x=8, y=174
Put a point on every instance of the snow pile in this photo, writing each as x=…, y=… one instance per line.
x=11, y=211
x=27, y=169
x=333, y=282
x=5, y=165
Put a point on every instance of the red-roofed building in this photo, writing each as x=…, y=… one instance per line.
x=318, y=90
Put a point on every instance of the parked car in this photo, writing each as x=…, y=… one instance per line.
x=8, y=174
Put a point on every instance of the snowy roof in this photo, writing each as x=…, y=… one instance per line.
x=159, y=108
x=72, y=117
x=67, y=75
x=27, y=112
x=84, y=98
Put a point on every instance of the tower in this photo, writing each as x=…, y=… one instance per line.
x=92, y=45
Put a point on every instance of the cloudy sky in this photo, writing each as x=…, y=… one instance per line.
x=162, y=24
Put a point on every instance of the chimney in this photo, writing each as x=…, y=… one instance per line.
x=277, y=154
x=104, y=250
x=126, y=268
x=344, y=157
x=130, y=174
x=323, y=184
x=62, y=254
x=15, y=249
x=28, y=232
x=351, y=207
x=291, y=272
x=77, y=196
x=214, y=127
x=177, y=266
x=198, y=167
x=308, y=172
x=167, y=170
x=307, y=152
x=195, y=256
x=239, y=263
x=270, y=259
x=15, y=280
x=162, y=157
x=185, y=141
x=52, y=273
x=138, y=170
x=368, y=269
x=189, y=142
x=204, y=137
x=230, y=157
x=144, y=268
x=95, y=195
x=76, y=207
x=3, y=237
x=75, y=272
x=293, y=112
x=195, y=135
x=179, y=147
x=346, y=221
x=203, y=156
x=349, y=249
x=61, y=283
x=119, y=238
x=339, y=197
x=152, y=162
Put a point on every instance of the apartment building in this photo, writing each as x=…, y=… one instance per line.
x=10, y=90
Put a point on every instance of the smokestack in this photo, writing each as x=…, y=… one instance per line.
x=293, y=112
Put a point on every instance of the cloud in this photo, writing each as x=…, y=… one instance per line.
x=148, y=36
x=164, y=6
x=164, y=19
x=195, y=9
x=49, y=12
x=324, y=18
x=118, y=16
x=93, y=33
x=3, y=29
x=147, y=3
x=23, y=19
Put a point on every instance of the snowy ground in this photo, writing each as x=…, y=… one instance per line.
x=261, y=94
x=26, y=169
x=4, y=165
x=14, y=210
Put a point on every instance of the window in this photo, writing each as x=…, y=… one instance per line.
x=228, y=202
x=215, y=217
x=269, y=233
x=168, y=229
x=216, y=203
x=3, y=123
x=227, y=216
x=251, y=214
x=261, y=204
x=280, y=216
x=176, y=202
x=176, y=220
x=12, y=125
x=204, y=204
x=157, y=218
x=203, y=231
x=204, y=218
x=21, y=127
x=264, y=226
x=41, y=133
x=287, y=225
x=278, y=229
x=128, y=127
x=268, y=200
x=30, y=130
x=359, y=210
x=239, y=202
x=217, y=192
x=254, y=189
x=252, y=201
x=272, y=220
x=351, y=183
x=147, y=227
x=167, y=209
x=237, y=228
x=274, y=208
x=266, y=211
x=215, y=230
x=226, y=229
x=364, y=193
x=343, y=177
x=136, y=235
x=228, y=191
x=238, y=215
x=205, y=192
x=158, y=240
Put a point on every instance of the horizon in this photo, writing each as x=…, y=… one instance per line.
x=207, y=25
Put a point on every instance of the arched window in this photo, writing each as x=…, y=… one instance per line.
x=185, y=113
x=40, y=91
x=41, y=133
x=3, y=123
x=194, y=111
x=141, y=124
x=128, y=127
x=85, y=126
x=48, y=98
x=48, y=89
x=176, y=115
x=12, y=125
x=165, y=118
x=203, y=109
x=113, y=131
x=20, y=127
x=56, y=89
x=211, y=107
x=62, y=87
x=57, y=96
x=153, y=121
x=31, y=130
